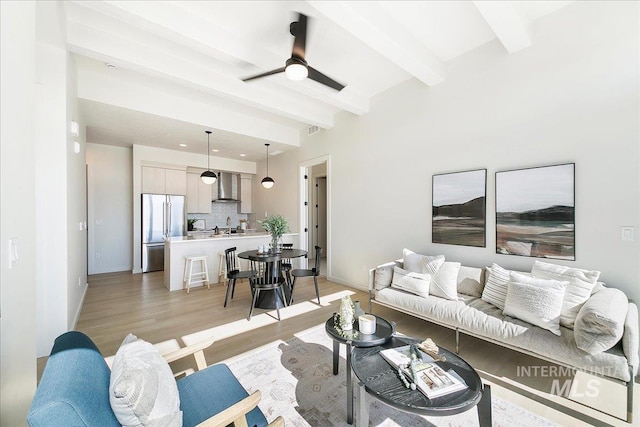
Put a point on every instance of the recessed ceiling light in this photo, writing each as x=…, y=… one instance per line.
x=215, y=150
x=183, y=145
x=242, y=155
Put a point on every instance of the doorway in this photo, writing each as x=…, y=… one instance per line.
x=315, y=210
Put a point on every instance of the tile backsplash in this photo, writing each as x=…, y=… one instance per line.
x=219, y=214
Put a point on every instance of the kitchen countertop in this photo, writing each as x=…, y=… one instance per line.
x=209, y=236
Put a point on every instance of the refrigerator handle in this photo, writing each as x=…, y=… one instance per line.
x=169, y=207
x=164, y=218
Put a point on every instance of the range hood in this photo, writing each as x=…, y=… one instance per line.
x=225, y=186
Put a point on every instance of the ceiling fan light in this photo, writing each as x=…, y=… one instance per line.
x=296, y=72
x=208, y=177
x=267, y=182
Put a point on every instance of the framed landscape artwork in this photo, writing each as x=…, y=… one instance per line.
x=459, y=209
x=535, y=212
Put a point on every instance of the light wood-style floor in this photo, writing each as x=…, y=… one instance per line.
x=119, y=303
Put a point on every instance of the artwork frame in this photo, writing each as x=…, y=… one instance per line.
x=535, y=212
x=458, y=208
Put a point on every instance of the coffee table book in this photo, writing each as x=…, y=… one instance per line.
x=432, y=380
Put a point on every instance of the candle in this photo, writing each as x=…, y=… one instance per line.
x=367, y=324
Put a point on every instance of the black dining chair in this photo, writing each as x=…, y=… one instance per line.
x=313, y=272
x=270, y=279
x=234, y=273
x=286, y=262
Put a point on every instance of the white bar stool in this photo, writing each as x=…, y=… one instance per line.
x=222, y=267
x=202, y=276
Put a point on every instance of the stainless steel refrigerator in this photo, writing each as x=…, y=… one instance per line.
x=162, y=216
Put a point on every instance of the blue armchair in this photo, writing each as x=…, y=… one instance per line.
x=74, y=390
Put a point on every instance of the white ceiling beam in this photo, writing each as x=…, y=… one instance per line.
x=368, y=22
x=174, y=22
x=107, y=46
x=511, y=29
x=138, y=93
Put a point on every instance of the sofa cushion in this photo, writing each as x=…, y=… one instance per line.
x=421, y=263
x=470, y=281
x=409, y=281
x=384, y=275
x=581, y=283
x=142, y=389
x=444, y=283
x=537, y=301
x=600, y=322
x=211, y=391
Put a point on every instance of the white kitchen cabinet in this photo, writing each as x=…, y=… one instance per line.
x=198, y=194
x=160, y=180
x=244, y=193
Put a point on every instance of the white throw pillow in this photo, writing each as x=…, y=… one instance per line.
x=142, y=389
x=536, y=301
x=600, y=322
x=581, y=283
x=421, y=263
x=444, y=283
x=409, y=281
x=384, y=275
x=495, y=290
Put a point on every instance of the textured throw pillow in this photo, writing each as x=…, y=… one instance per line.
x=142, y=389
x=470, y=281
x=383, y=275
x=444, y=283
x=581, y=283
x=421, y=263
x=600, y=322
x=409, y=281
x=536, y=301
x=495, y=290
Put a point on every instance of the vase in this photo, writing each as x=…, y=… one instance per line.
x=346, y=314
x=276, y=245
x=357, y=310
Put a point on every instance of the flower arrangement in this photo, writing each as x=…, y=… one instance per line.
x=276, y=225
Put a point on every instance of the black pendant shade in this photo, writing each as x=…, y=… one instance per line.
x=208, y=176
x=267, y=181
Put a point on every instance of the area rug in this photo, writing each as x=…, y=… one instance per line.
x=297, y=382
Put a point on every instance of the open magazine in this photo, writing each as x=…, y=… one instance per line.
x=432, y=380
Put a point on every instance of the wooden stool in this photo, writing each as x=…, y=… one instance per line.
x=190, y=277
x=222, y=267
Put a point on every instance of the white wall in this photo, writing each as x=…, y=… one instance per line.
x=110, y=188
x=17, y=210
x=571, y=97
x=61, y=269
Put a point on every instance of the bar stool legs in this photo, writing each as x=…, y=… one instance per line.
x=202, y=276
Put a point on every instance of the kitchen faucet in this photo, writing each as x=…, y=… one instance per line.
x=229, y=224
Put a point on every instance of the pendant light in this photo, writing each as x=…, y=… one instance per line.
x=267, y=181
x=208, y=177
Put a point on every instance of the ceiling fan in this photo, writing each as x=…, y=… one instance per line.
x=296, y=67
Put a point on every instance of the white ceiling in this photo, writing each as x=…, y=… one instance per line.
x=179, y=64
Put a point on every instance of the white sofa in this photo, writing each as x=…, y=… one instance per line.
x=472, y=315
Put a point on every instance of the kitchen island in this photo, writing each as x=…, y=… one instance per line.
x=177, y=248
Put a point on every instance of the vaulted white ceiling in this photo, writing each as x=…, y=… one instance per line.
x=159, y=73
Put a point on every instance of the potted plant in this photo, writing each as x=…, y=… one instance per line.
x=190, y=222
x=276, y=225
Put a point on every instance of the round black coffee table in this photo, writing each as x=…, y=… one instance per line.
x=380, y=380
x=384, y=331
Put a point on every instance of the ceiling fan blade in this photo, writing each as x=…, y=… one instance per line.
x=325, y=80
x=298, y=30
x=268, y=73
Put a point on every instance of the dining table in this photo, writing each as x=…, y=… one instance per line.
x=269, y=299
